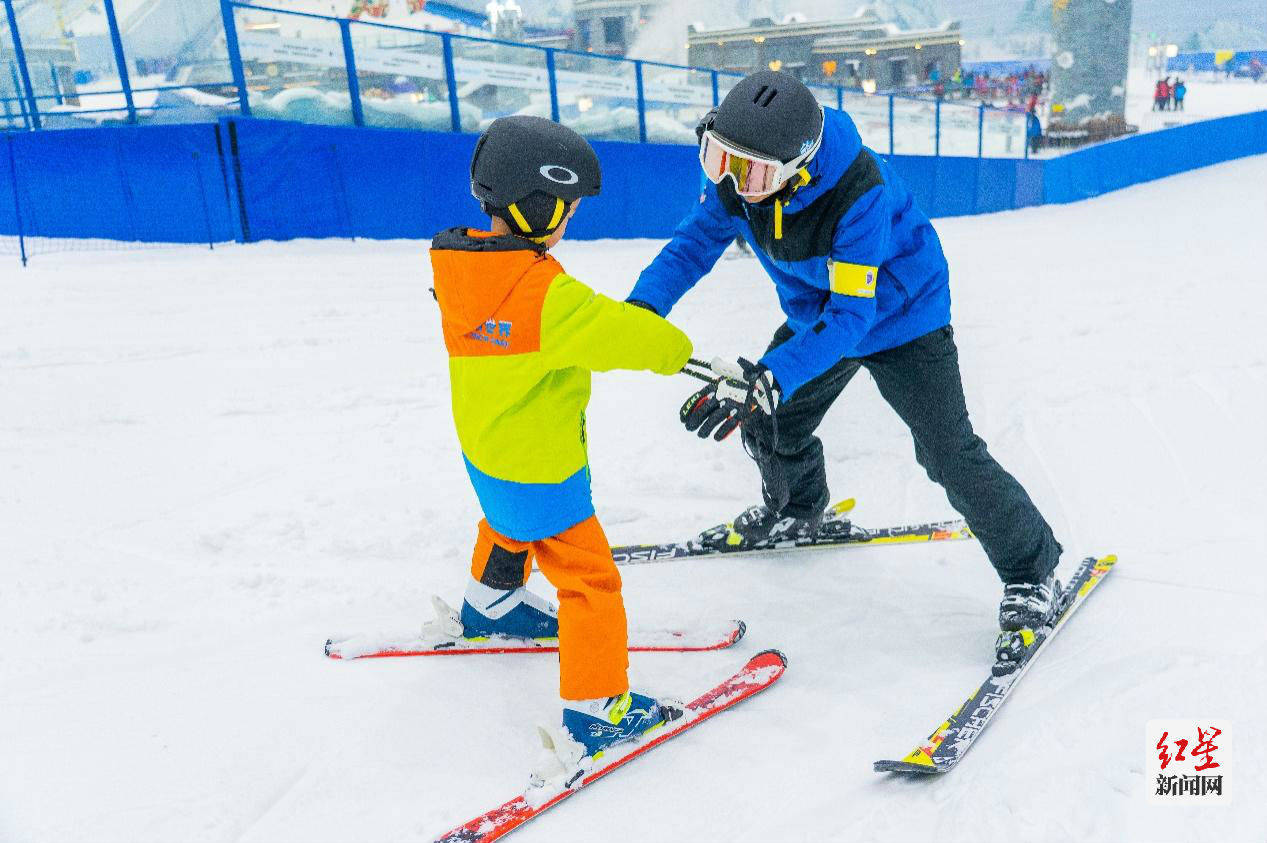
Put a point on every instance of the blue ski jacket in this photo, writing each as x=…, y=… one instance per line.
x=857, y=266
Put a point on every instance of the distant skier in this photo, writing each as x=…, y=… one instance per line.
x=522, y=337
x=1180, y=91
x=1161, y=94
x=1033, y=131
x=863, y=283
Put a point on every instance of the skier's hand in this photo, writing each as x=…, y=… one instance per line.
x=740, y=390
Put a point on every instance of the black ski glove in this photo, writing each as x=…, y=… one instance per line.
x=741, y=390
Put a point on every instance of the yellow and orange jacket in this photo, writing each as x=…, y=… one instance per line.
x=523, y=337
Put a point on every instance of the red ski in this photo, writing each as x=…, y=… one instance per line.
x=761, y=671
x=694, y=639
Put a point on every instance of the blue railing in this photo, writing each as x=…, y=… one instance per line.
x=319, y=69
x=314, y=68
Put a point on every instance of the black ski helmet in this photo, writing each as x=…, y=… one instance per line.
x=526, y=169
x=770, y=113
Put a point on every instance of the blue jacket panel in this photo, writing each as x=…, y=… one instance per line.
x=877, y=225
x=529, y=512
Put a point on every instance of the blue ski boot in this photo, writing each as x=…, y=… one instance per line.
x=590, y=727
x=514, y=613
x=600, y=723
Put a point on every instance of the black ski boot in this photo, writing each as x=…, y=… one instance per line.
x=1027, y=609
x=758, y=527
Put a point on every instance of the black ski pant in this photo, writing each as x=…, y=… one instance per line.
x=920, y=380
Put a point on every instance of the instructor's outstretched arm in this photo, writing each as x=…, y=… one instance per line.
x=697, y=243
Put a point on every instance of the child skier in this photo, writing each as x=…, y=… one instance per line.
x=523, y=337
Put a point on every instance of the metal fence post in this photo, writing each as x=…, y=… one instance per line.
x=937, y=128
x=17, y=205
x=981, y=130
x=455, y=114
x=120, y=61
x=20, y=55
x=840, y=98
x=57, y=85
x=642, y=103
x=349, y=64
x=716, y=97
x=235, y=57
x=554, y=86
x=17, y=90
x=890, y=124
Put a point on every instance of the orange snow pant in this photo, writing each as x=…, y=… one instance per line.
x=593, y=634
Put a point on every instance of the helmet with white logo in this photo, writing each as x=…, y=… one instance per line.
x=772, y=114
x=527, y=170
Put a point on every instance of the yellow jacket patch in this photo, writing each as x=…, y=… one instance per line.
x=852, y=279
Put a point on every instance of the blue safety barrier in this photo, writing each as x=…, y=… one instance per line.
x=147, y=183
x=1141, y=158
x=1008, y=66
x=1243, y=62
x=303, y=180
x=251, y=179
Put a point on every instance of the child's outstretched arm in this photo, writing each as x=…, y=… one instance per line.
x=580, y=327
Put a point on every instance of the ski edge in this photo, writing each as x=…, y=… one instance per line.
x=919, y=760
x=464, y=834
x=735, y=636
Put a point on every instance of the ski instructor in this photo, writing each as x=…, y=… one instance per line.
x=863, y=283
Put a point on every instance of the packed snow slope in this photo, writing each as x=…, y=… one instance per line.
x=212, y=461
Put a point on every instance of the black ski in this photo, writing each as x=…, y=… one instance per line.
x=950, y=741
x=836, y=531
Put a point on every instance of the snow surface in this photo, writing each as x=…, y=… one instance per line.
x=214, y=460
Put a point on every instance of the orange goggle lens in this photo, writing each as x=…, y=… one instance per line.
x=752, y=176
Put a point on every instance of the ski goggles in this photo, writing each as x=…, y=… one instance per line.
x=753, y=174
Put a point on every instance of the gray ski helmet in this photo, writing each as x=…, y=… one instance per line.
x=770, y=113
x=519, y=155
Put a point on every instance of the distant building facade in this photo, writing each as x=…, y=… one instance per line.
x=861, y=52
x=609, y=27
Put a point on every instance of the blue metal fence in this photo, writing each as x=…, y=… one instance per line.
x=319, y=69
x=253, y=179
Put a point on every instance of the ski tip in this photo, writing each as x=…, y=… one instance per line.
x=741, y=629
x=768, y=657
x=844, y=506
x=331, y=653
